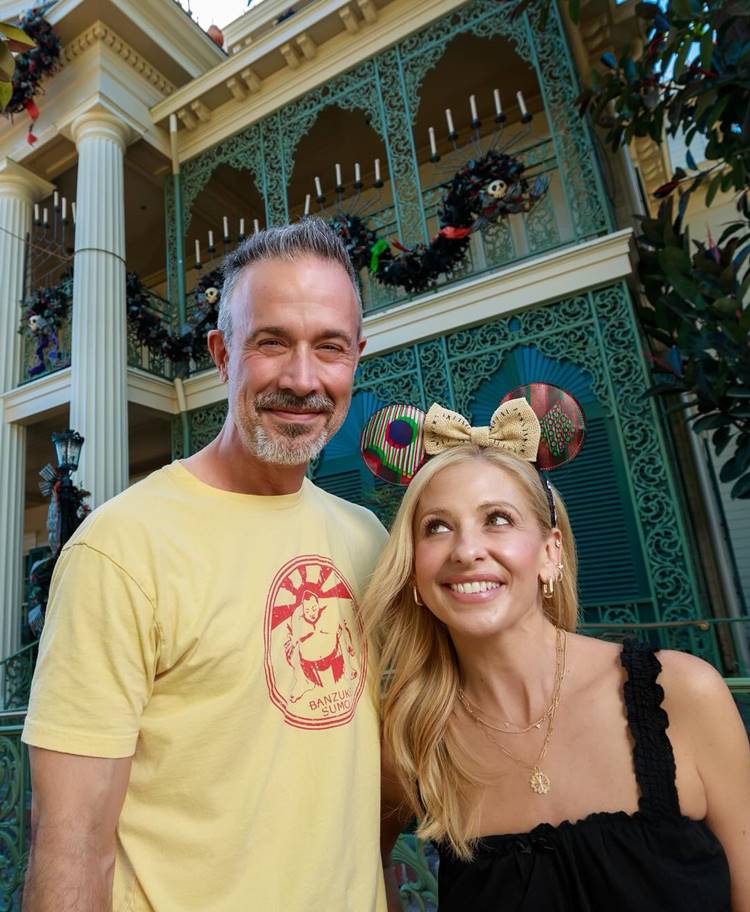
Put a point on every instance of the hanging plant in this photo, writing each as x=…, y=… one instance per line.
x=482, y=193
x=33, y=66
x=12, y=41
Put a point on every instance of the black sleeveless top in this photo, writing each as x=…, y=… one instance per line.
x=655, y=860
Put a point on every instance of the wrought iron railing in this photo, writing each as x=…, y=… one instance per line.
x=142, y=356
x=15, y=810
x=17, y=671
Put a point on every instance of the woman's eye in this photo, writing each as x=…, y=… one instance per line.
x=498, y=519
x=435, y=525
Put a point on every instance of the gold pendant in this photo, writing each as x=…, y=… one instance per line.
x=539, y=782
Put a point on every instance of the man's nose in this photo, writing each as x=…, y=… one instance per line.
x=299, y=373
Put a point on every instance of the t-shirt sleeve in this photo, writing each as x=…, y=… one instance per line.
x=97, y=658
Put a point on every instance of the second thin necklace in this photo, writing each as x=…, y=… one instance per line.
x=539, y=781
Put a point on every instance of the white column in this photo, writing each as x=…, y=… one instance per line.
x=98, y=395
x=19, y=189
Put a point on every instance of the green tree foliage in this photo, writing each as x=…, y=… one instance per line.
x=692, y=79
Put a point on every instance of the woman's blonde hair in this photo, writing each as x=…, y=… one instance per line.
x=418, y=663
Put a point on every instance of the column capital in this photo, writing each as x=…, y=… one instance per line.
x=100, y=123
x=20, y=183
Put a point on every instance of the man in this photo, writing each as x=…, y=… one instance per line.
x=176, y=765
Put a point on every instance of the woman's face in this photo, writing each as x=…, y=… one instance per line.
x=479, y=553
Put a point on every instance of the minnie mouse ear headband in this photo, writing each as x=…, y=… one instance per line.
x=539, y=423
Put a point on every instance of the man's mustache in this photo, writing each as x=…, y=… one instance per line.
x=285, y=401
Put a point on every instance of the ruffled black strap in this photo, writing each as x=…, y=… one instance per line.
x=652, y=752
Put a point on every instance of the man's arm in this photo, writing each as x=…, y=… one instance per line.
x=76, y=803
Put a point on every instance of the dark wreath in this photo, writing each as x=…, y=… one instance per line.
x=484, y=191
x=34, y=65
x=43, y=313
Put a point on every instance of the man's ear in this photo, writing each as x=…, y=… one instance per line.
x=219, y=352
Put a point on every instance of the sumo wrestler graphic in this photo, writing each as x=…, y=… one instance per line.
x=315, y=654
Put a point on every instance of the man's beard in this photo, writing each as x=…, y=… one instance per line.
x=280, y=447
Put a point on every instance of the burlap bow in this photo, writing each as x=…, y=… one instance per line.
x=514, y=428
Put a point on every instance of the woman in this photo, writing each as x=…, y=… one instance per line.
x=537, y=760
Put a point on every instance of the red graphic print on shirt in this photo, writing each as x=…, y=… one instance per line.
x=315, y=651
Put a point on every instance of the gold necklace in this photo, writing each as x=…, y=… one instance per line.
x=539, y=781
x=504, y=727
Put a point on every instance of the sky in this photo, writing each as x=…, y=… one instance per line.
x=219, y=12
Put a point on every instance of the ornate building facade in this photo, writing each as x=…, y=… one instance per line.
x=172, y=147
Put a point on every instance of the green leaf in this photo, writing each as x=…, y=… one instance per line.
x=18, y=40
x=713, y=189
x=6, y=93
x=574, y=8
x=741, y=488
x=7, y=62
x=721, y=438
x=707, y=50
x=709, y=423
x=682, y=9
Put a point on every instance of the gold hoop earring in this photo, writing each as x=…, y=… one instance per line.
x=548, y=588
x=417, y=600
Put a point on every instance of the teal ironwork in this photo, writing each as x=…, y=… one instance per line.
x=15, y=802
x=140, y=355
x=17, y=670
x=416, y=866
x=388, y=89
x=179, y=223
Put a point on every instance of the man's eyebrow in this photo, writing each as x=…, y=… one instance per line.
x=283, y=334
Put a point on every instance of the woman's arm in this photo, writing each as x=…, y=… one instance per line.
x=709, y=717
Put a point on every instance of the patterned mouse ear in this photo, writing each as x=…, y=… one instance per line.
x=561, y=419
x=392, y=443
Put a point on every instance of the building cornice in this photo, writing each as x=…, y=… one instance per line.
x=99, y=32
x=222, y=95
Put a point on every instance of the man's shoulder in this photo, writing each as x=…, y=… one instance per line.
x=134, y=511
x=352, y=515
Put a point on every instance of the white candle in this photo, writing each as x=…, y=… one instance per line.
x=172, y=123
x=197, y=252
x=64, y=209
x=449, y=120
x=210, y=239
x=225, y=222
x=242, y=227
x=521, y=103
x=498, y=106
x=377, y=170
x=318, y=188
x=73, y=210
x=36, y=212
x=307, y=204
x=55, y=199
x=45, y=217
x=256, y=225
x=433, y=144
x=339, y=182
x=473, y=106
x=357, y=174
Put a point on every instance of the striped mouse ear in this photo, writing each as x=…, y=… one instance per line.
x=392, y=443
x=561, y=419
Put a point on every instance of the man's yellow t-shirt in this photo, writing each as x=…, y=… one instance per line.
x=214, y=636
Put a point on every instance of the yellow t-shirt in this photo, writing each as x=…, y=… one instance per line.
x=214, y=637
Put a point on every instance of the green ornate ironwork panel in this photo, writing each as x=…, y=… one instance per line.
x=576, y=153
x=243, y=151
x=17, y=671
x=170, y=237
x=204, y=424
x=403, y=166
x=14, y=811
x=275, y=177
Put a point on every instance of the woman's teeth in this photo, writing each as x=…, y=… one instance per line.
x=476, y=586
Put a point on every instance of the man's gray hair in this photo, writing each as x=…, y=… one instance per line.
x=311, y=236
